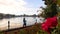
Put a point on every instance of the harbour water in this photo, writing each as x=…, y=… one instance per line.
x=18, y=22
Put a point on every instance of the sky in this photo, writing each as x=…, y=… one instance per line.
x=20, y=7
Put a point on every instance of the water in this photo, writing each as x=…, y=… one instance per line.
x=17, y=22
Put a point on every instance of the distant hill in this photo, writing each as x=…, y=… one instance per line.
x=27, y=15
x=11, y=15
x=6, y=15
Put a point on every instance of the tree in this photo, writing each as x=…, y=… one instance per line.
x=51, y=8
x=1, y=15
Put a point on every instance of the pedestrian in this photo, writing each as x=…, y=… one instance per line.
x=24, y=22
x=35, y=20
x=8, y=25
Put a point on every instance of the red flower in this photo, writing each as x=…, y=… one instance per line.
x=49, y=23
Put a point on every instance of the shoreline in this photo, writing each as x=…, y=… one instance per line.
x=35, y=25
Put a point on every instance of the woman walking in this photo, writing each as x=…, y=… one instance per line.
x=24, y=22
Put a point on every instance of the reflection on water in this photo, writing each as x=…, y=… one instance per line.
x=16, y=22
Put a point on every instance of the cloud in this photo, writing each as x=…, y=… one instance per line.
x=15, y=7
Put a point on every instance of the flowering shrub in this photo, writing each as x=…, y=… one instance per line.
x=50, y=23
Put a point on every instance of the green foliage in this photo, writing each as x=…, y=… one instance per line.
x=51, y=9
x=58, y=2
x=1, y=32
x=41, y=32
x=22, y=31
